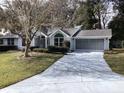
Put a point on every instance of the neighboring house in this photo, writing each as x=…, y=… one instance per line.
x=8, y=39
x=79, y=39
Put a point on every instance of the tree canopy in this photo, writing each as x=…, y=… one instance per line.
x=24, y=18
x=92, y=12
x=117, y=24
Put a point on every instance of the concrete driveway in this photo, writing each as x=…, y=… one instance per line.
x=78, y=72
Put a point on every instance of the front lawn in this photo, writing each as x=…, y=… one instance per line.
x=14, y=68
x=115, y=59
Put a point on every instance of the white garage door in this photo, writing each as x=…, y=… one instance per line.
x=93, y=44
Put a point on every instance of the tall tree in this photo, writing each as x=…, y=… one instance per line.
x=61, y=12
x=2, y=17
x=24, y=18
x=101, y=12
x=106, y=14
x=85, y=15
x=117, y=24
x=92, y=12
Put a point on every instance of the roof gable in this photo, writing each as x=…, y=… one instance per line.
x=67, y=31
x=60, y=31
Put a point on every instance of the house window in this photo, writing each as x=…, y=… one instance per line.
x=10, y=41
x=58, y=40
x=1, y=41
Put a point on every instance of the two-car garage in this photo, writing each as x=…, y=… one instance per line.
x=92, y=39
x=90, y=44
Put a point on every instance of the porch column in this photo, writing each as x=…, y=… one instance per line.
x=71, y=44
x=46, y=42
x=74, y=43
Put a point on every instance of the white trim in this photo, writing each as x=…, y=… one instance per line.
x=5, y=37
x=46, y=42
x=71, y=44
x=106, y=42
x=59, y=31
x=75, y=44
x=39, y=33
x=92, y=37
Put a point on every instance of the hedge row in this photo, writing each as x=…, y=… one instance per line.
x=6, y=48
x=58, y=49
x=52, y=49
x=43, y=50
x=35, y=49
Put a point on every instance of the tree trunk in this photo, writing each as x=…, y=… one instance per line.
x=27, y=49
x=99, y=22
x=104, y=24
x=99, y=18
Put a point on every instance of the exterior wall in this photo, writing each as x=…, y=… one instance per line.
x=106, y=44
x=51, y=41
x=4, y=41
x=33, y=42
x=16, y=42
x=40, y=42
x=20, y=43
x=72, y=44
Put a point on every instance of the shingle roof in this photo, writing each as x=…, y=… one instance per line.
x=95, y=33
x=68, y=31
x=71, y=31
x=8, y=35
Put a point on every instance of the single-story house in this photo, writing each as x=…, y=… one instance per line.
x=79, y=39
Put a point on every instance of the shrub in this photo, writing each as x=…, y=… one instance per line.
x=67, y=44
x=6, y=48
x=32, y=48
x=43, y=50
x=51, y=48
x=58, y=49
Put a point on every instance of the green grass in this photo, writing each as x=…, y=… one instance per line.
x=13, y=69
x=115, y=59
